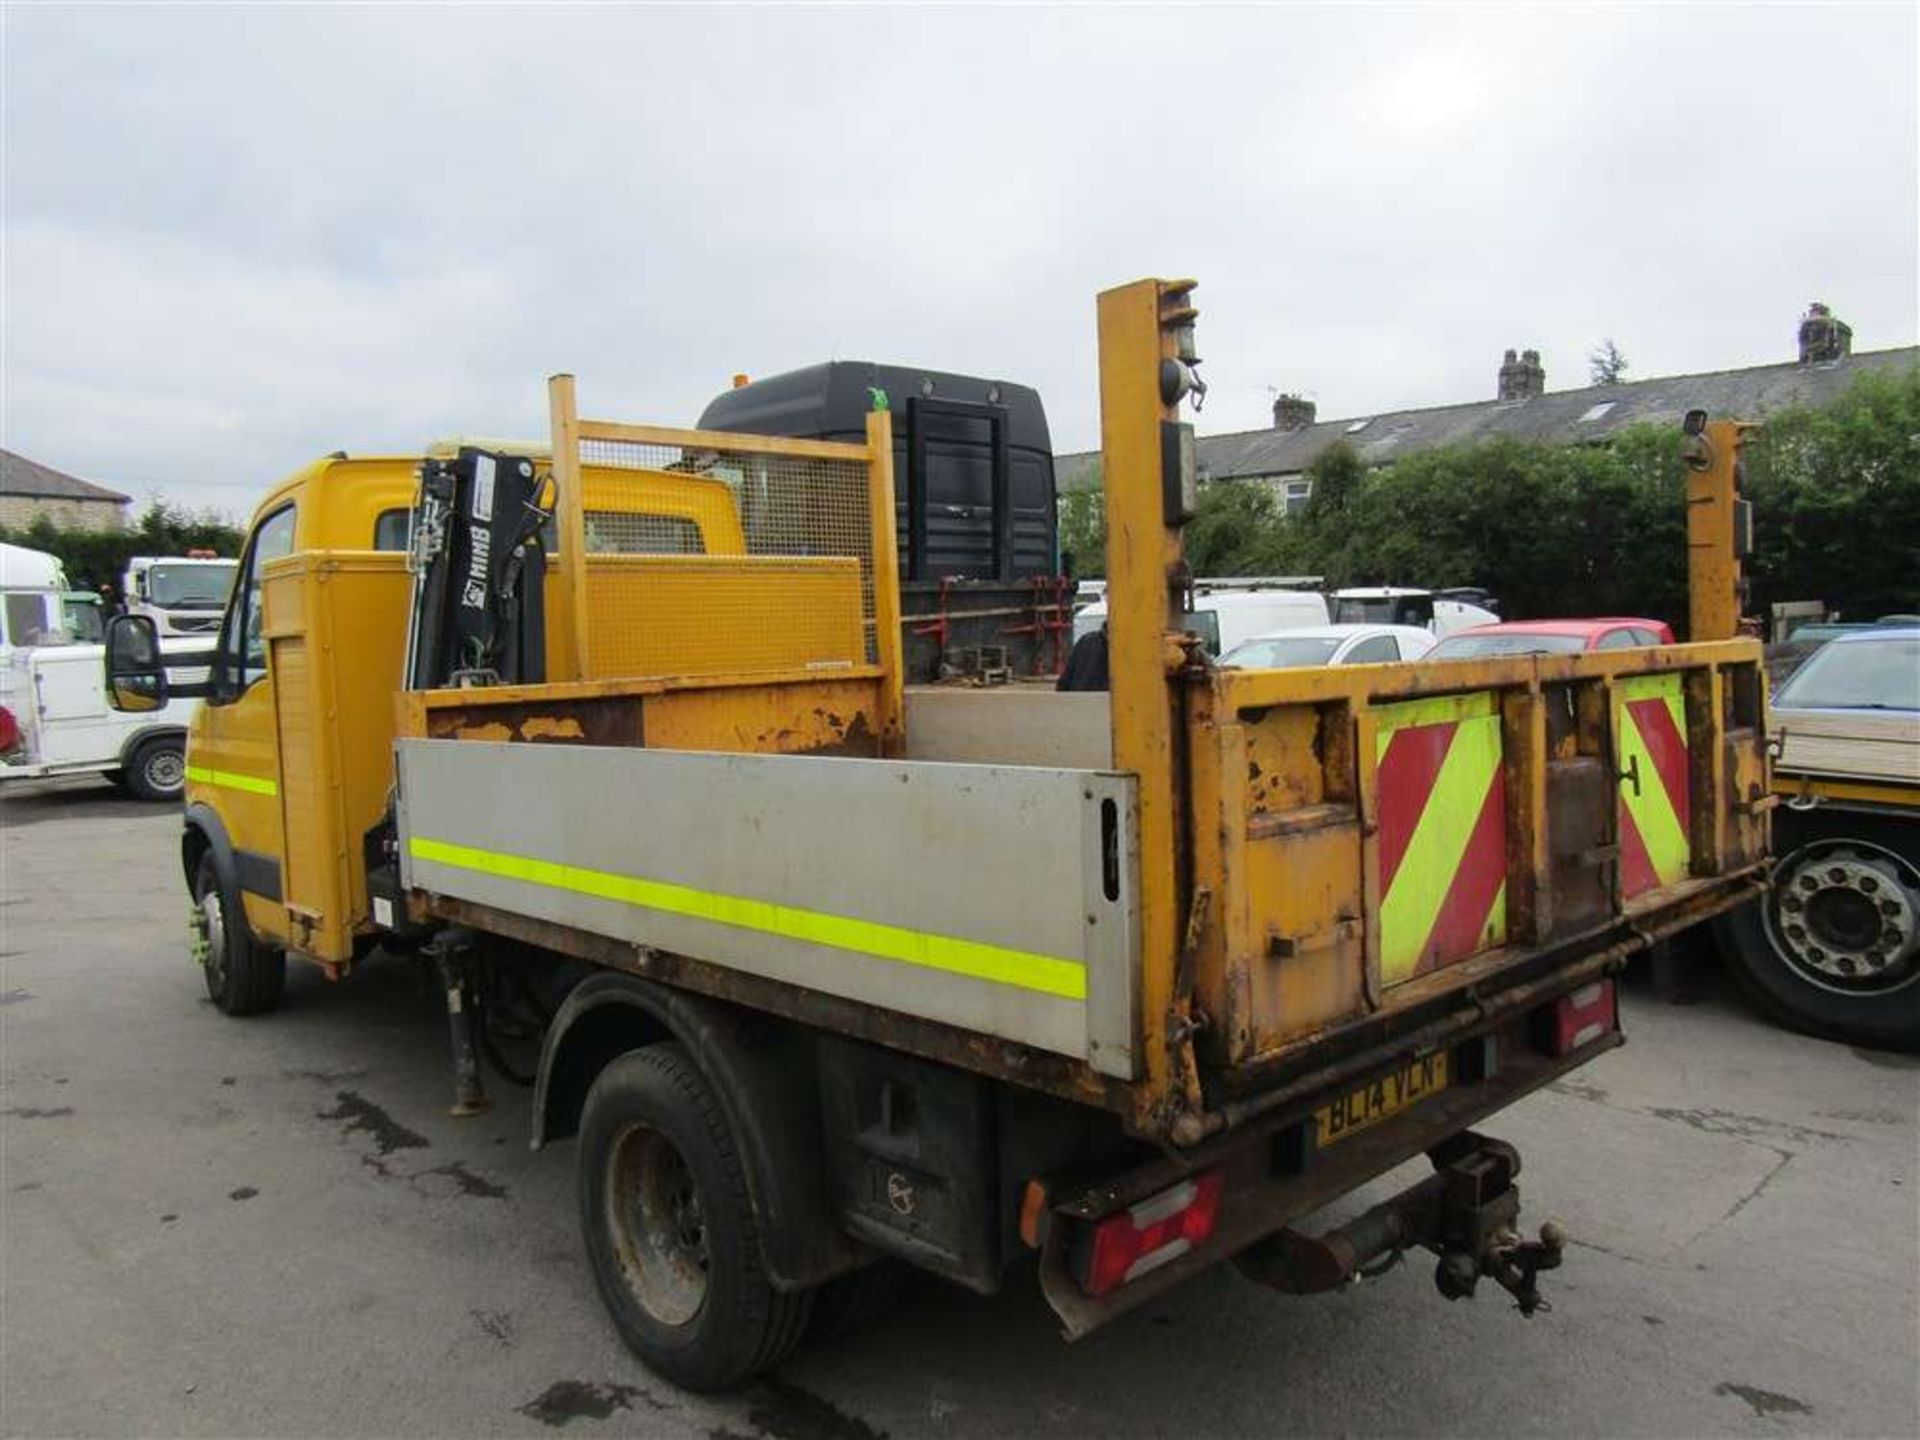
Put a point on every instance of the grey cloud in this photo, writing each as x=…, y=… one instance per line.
x=237, y=238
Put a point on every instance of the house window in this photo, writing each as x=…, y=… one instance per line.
x=1294, y=495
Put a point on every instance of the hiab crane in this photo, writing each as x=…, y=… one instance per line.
x=831, y=973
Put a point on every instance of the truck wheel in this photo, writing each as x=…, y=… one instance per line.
x=670, y=1228
x=157, y=769
x=1834, y=947
x=243, y=976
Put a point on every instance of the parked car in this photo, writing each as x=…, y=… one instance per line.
x=1329, y=645
x=1805, y=640
x=1552, y=637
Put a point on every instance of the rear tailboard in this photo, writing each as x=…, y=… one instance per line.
x=1376, y=836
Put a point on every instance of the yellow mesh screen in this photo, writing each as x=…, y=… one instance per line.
x=720, y=615
x=790, y=506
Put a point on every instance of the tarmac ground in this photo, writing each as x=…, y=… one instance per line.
x=272, y=1227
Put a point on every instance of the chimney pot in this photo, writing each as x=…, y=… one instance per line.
x=1522, y=378
x=1291, y=412
x=1823, y=335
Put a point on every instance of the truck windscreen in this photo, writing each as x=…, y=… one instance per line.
x=190, y=587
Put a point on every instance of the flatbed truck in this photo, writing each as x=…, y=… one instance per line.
x=831, y=974
x=1833, y=946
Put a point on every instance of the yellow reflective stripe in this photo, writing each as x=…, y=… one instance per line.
x=1046, y=974
x=1427, y=870
x=1652, y=808
x=1439, y=710
x=229, y=780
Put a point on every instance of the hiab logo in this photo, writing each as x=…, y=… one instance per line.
x=480, y=551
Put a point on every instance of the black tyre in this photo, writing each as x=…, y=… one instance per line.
x=1834, y=947
x=243, y=976
x=671, y=1230
x=157, y=769
x=849, y=1303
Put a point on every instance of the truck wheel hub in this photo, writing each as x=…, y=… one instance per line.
x=1849, y=916
x=659, y=1228
x=209, y=937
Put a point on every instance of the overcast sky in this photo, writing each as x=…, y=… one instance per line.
x=239, y=238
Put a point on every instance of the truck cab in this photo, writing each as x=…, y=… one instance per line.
x=184, y=594
x=290, y=758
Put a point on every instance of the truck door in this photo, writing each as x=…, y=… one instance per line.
x=233, y=762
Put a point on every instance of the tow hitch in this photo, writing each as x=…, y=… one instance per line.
x=1467, y=1213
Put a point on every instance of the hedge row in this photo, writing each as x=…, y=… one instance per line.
x=1591, y=529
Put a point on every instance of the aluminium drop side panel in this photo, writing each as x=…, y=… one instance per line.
x=975, y=896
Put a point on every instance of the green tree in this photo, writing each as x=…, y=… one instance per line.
x=1836, y=498
x=1083, y=526
x=1606, y=364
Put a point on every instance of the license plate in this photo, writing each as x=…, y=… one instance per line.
x=1377, y=1099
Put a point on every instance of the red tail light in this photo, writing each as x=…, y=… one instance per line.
x=1160, y=1229
x=1582, y=1017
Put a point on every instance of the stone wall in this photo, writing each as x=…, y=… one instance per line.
x=17, y=512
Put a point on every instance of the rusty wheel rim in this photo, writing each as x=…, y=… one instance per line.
x=657, y=1225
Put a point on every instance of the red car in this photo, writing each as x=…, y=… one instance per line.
x=1552, y=637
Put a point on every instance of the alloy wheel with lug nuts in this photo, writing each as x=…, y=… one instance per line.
x=1847, y=917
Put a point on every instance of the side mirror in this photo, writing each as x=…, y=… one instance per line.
x=136, y=676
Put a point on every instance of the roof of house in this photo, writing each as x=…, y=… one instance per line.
x=1559, y=417
x=21, y=476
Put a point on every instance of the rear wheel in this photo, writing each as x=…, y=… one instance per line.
x=243, y=976
x=157, y=769
x=671, y=1230
x=1834, y=947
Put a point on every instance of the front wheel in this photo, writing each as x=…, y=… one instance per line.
x=243, y=976
x=1834, y=947
x=670, y=1228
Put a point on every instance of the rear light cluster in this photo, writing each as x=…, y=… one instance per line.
x=1146, y=1236
x=1581, y=1017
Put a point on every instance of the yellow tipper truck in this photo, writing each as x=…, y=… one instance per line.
x=832, y=973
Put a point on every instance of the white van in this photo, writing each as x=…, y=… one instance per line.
x=32, y=587
x=1230, y=617
x=1437, y=613
x=56, y=719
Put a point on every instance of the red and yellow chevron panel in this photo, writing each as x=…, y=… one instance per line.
x=1443, y=833
x=1655, y=817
